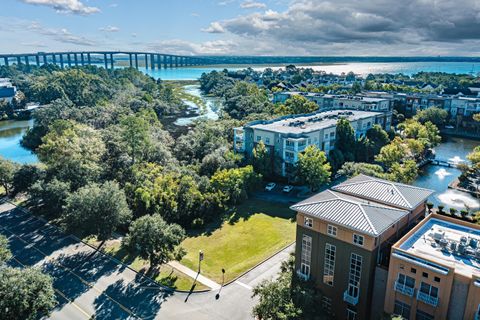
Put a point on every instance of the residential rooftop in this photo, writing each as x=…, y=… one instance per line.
x=351, y=212
x=383, y=191
x=444, y=242
x=301, y=124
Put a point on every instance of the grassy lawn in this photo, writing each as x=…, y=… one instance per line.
x=166, y=275
x=255, y=231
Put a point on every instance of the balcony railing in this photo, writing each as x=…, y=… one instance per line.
x=404, y=289
x=291, y=148
x=428, y=299
x=303, y=276
x=350, y=299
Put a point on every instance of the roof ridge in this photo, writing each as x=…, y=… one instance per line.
x=401, y=195
x=365, y=215
x=310, y=203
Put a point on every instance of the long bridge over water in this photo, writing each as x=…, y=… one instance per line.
x=108, y=59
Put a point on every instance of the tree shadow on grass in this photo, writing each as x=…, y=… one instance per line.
x=141, y=299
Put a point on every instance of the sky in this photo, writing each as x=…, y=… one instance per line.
x=244, y=27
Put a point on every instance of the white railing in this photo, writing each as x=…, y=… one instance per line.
x=350, y=299
x=404, y=289
x=428, y=299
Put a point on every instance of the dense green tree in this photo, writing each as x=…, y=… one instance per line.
x=406, y=172
x=435, y=115
x=50, y=196
x=25, y=294
x=26, y=176
x=378, y=138
x=262, y=160
x=235, y=184
x=5, y=253
x=155, y=240
x=351, y=169
x=392, y=153
x=7, y=172
x=244, y=99
x=97, y=210
x=345, y=139
x=135, y=133
x=72, y=152
x=313, y=168
x=298, y=104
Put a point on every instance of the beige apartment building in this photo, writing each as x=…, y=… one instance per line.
x=434, y=271
x=345, y=232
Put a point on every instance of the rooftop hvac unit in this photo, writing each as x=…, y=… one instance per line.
x=473, y=243
x=453, y=246
x=463, y=239
x=477, y=253
x=437, y=236
x=443, y=243
x=461, y=248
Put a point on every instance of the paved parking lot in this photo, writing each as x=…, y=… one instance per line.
x=90, y=285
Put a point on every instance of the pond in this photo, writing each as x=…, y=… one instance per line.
x=11, y=133
x=438, y=178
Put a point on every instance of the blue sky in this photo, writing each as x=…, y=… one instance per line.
x=244, y=27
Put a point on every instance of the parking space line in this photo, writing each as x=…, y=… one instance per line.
x=63, y=296
x=76, y=275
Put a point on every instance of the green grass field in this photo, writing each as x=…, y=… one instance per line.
x=255, y=231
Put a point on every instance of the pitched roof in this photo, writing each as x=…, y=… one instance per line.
x=350, y=212
x=383, y=191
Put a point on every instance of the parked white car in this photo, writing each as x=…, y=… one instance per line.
x=270, y=186
x=287, y=189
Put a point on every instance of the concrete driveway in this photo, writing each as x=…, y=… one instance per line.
x=90, y=284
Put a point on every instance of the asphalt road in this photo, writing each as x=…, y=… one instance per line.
x=89, y=284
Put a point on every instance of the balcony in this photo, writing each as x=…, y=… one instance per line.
x=290, y=147
x=428, y=299
x=350, y=299
x=303, y=276
x=403, y=289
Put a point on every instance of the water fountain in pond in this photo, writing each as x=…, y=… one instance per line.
x=456, y=160
x=442, y=173
x=456, y=199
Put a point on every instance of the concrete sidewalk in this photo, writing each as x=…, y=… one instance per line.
x=194, y=275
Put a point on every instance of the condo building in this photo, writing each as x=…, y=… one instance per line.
x=344, y=239
x=287, y=136
x=7, y=90
x=434, y=271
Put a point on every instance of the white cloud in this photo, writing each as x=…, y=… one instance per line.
x=65, y=6
x=109, y=29
x=61, y=35
x=250, y=4
x=214, y=27
x=182, y=47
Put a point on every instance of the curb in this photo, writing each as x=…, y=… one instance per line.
x=106, y=254
x=258, y=264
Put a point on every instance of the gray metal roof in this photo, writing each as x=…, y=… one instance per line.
x=383, y=191
x=351, y=212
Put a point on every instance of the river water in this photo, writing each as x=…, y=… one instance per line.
x=11, y=133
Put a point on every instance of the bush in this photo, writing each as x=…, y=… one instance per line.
x=429, y=206
x=440, y=209
x=453, y=211
x=464, y=213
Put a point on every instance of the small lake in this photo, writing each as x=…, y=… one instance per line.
x=438, y=178
x=11, y=133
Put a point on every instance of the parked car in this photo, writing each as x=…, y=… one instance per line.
x=270, y=186
x=287, y=188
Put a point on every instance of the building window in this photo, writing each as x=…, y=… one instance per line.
x=402, y=309
x=355, y=274
x=308, y=222
x=436, y=279
x=329, y=264
x=327, y=304
x=306, y=255
x=351, y=314
x=332, y=230
x=259, y=138
x=406, y=281
x=422, y=315
x=358, y=239
x=429, y=290
x=267, y=140
x=425, y=275
x=413, y=270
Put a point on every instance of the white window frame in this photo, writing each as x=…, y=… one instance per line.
x=259, y=138
x=430, y=289
x=332, y=230
x=351, y=314
x=327, y=304
x=329, y=264
x=308, y=222
x=355, y=274
x=267, y=140
x=306, y=255
x=358, y=239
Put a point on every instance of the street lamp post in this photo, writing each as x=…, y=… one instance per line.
x=200, y=259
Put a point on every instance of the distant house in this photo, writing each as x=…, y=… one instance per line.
x=7, y=90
